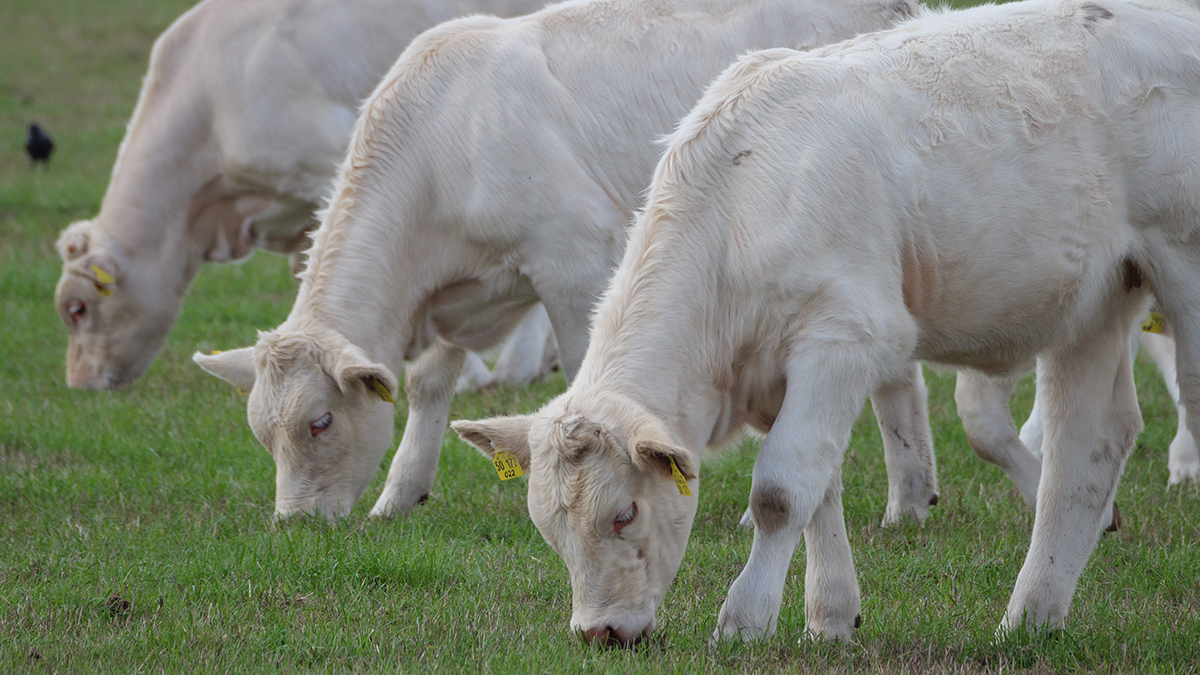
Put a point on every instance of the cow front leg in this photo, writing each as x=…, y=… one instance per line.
x=903, y=416
x=1184, y=458
x=429, y=385
x=983, y=408
x=793, y=492
x=1091, y=420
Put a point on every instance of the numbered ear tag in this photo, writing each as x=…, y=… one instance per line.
x=1154, y=323
x=102, y=276
x=507, y=466
x=680, y=481
x=382, y=390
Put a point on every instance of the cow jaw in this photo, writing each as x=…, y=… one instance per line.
x=584, y=475
x=619, y=578
x=121, y=329
x=320, y=408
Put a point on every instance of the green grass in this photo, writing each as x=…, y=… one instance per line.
x=137, y=532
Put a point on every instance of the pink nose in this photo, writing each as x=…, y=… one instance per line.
x=608, y=636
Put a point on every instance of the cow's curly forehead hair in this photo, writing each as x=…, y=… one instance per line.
x=277, y=353
x=584, y=456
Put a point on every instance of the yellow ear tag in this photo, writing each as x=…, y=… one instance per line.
x=242, y=392
x=507, y=466
x=215, y=352
x=104, y=292
x=102, y=276
x=680, y=481
x=1154, y=323
x=382, y=391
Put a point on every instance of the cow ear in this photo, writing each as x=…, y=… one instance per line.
x=73, y=241
x=235, y=367
x=100, y=268
x=499, y=434
x=653, y=451
x=354, y=369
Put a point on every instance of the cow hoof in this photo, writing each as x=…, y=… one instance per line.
x=858, y=618
x=1189, y=473
x=933, y=500
x=1116, y=519
x=424, y=498
x=817, y=634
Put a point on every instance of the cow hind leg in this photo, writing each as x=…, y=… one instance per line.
x=903, y=416
x=983, y=408
x=429, y=385
x=1091, y=421
x=1184, y=458
x=796, y=490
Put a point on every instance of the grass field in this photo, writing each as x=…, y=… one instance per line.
x=136, y=525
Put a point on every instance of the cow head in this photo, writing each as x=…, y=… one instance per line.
x=322, y=409
x=117, y=317
x=601, y=492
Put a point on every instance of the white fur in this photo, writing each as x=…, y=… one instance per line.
x=244, y=114
x=967, y=189
x=983, y=407
x=499, y=163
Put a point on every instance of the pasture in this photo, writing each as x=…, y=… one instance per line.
x=137, y=531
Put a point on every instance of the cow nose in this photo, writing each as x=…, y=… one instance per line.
x=608, y=636
x=598, y=636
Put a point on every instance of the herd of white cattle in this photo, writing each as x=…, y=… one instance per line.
x=868, y=185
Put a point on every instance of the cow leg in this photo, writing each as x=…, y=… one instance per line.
x=983, y=408
x=1184, y=458
x=523, y=358
x=1031, y=431
x=794, y=478
x=429, y=385
x=569, y=316
x=475, y=374
x=1091, y=421
x=903, y=417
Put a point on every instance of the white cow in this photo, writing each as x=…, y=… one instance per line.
x=244, y=115
x=974, y=188
x=497, y=164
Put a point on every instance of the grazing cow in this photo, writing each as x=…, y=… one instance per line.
x=245, y=112
x=976, y=188
x=497, y=164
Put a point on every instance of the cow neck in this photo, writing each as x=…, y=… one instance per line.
x=162, y=163
x=653, y=347
x=355, y=284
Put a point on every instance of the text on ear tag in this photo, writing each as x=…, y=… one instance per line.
x=102, y=276
x=680, y=481
x=1154, y=323
x=507, y=466
x=382, y=390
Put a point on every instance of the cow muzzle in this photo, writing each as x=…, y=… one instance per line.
x=613, y=636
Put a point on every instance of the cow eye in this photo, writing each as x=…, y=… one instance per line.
x=625, y=517
x=77, y=310
x=320, y=424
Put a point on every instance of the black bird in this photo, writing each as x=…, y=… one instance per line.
x=38, y=145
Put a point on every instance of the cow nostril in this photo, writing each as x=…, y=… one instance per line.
x=598, y=636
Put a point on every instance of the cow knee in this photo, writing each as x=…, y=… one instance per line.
x=772, y=507
x=435, y=373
